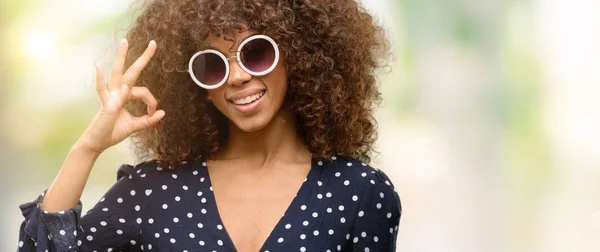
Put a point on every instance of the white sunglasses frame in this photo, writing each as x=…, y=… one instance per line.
x=238, y=58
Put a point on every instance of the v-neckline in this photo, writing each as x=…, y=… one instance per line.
x=289, y=210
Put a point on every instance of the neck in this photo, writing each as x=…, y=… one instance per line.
x=277, y=142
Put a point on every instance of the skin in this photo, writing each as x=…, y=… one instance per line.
x=255, y=177
x=264, y=161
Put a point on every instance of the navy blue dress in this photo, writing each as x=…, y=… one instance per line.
x=343, y=205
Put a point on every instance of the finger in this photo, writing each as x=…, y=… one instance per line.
x=146, y=121
x=146, y=96
x=136, y=68
x=100, y=85
x=117, y=67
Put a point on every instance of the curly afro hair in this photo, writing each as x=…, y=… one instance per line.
x=331, y=51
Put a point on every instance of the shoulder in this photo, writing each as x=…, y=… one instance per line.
x=372, y=183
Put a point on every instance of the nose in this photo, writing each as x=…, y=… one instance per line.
x=237, y=75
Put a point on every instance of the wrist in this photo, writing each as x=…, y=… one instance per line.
x=82, y=148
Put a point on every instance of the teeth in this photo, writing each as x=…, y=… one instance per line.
x=248, y=99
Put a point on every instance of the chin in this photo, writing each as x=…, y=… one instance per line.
x=251, y=124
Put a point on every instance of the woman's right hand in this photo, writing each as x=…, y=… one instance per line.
x=112, y=123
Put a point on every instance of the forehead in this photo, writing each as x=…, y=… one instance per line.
x=227, y=41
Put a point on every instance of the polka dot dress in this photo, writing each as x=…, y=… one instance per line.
x=343, y=205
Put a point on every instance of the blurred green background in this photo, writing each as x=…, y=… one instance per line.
x=489, y=127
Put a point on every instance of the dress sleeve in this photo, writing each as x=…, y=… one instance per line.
x=113, y=224
x=378, y=216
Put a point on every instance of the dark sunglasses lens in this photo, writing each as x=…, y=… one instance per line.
x=258, y=55
x=209, y=68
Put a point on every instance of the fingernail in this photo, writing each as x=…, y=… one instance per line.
x=123, y=42
x=151, y=41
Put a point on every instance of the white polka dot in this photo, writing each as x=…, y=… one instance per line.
x=355, y=240
x=320, y=163
x=329, y=210
x=363, y=234
x=75, y=232
x=378, y=205
x=341, y=208
x=315, y=215
x=347, y=236
x=302, y=236
x=120, y=200
x=202, y=179
x=361, y=213
x=203, y=163
x=79, y=242
x=62, y=232
x=165, y=206
x=148, y=192
x=92, y=229
x=201, y=243
x=346, y=182
x=102, y=200
x=203, y=211
x=103, y=223
x=316, y=232
x=328, y=195
x=177, y=198
x=303, y=207
x=339, y=247
x=302, y=249
x=372, y=181
x=150, y=220
x=121, y=220
x=149, y=246
x=349, y=164
x=288, y=226
x=354, y=198
x=333, y=157
x=132, y=192
x=375, y=238
x=190, y=215
x=319, y=183
x=220, y=227
x=389, y=215
x=175, y=219
x=203, y=200
x=330, y=232
x=364, y=174
x=367, y=249
x=174, y=175
x=138, y=220
x=104, y=209
x=132, y=242
x=192, y=235
x=391, y=230
x=305, y=223
x=220, y=242
x=173, y=239
x=280, y=240
x=343, y=220
x=166, y=230
x=20, y=244
x=319, y=196
x=119, y=231
x=137, y=207
x=200, y=225
x=381, y=195
x=164, y=187
x=185, y=188
x=199, y=193
x=156, y=235
x=337, y=174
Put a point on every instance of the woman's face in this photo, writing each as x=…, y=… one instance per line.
x=232, y=97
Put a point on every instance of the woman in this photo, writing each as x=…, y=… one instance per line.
x=260, y=143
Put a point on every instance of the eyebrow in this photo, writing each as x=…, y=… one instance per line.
x=207, y=45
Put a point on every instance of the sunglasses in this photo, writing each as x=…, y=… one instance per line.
x=257, y=55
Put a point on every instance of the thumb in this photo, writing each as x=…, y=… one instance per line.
x=140, y=123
